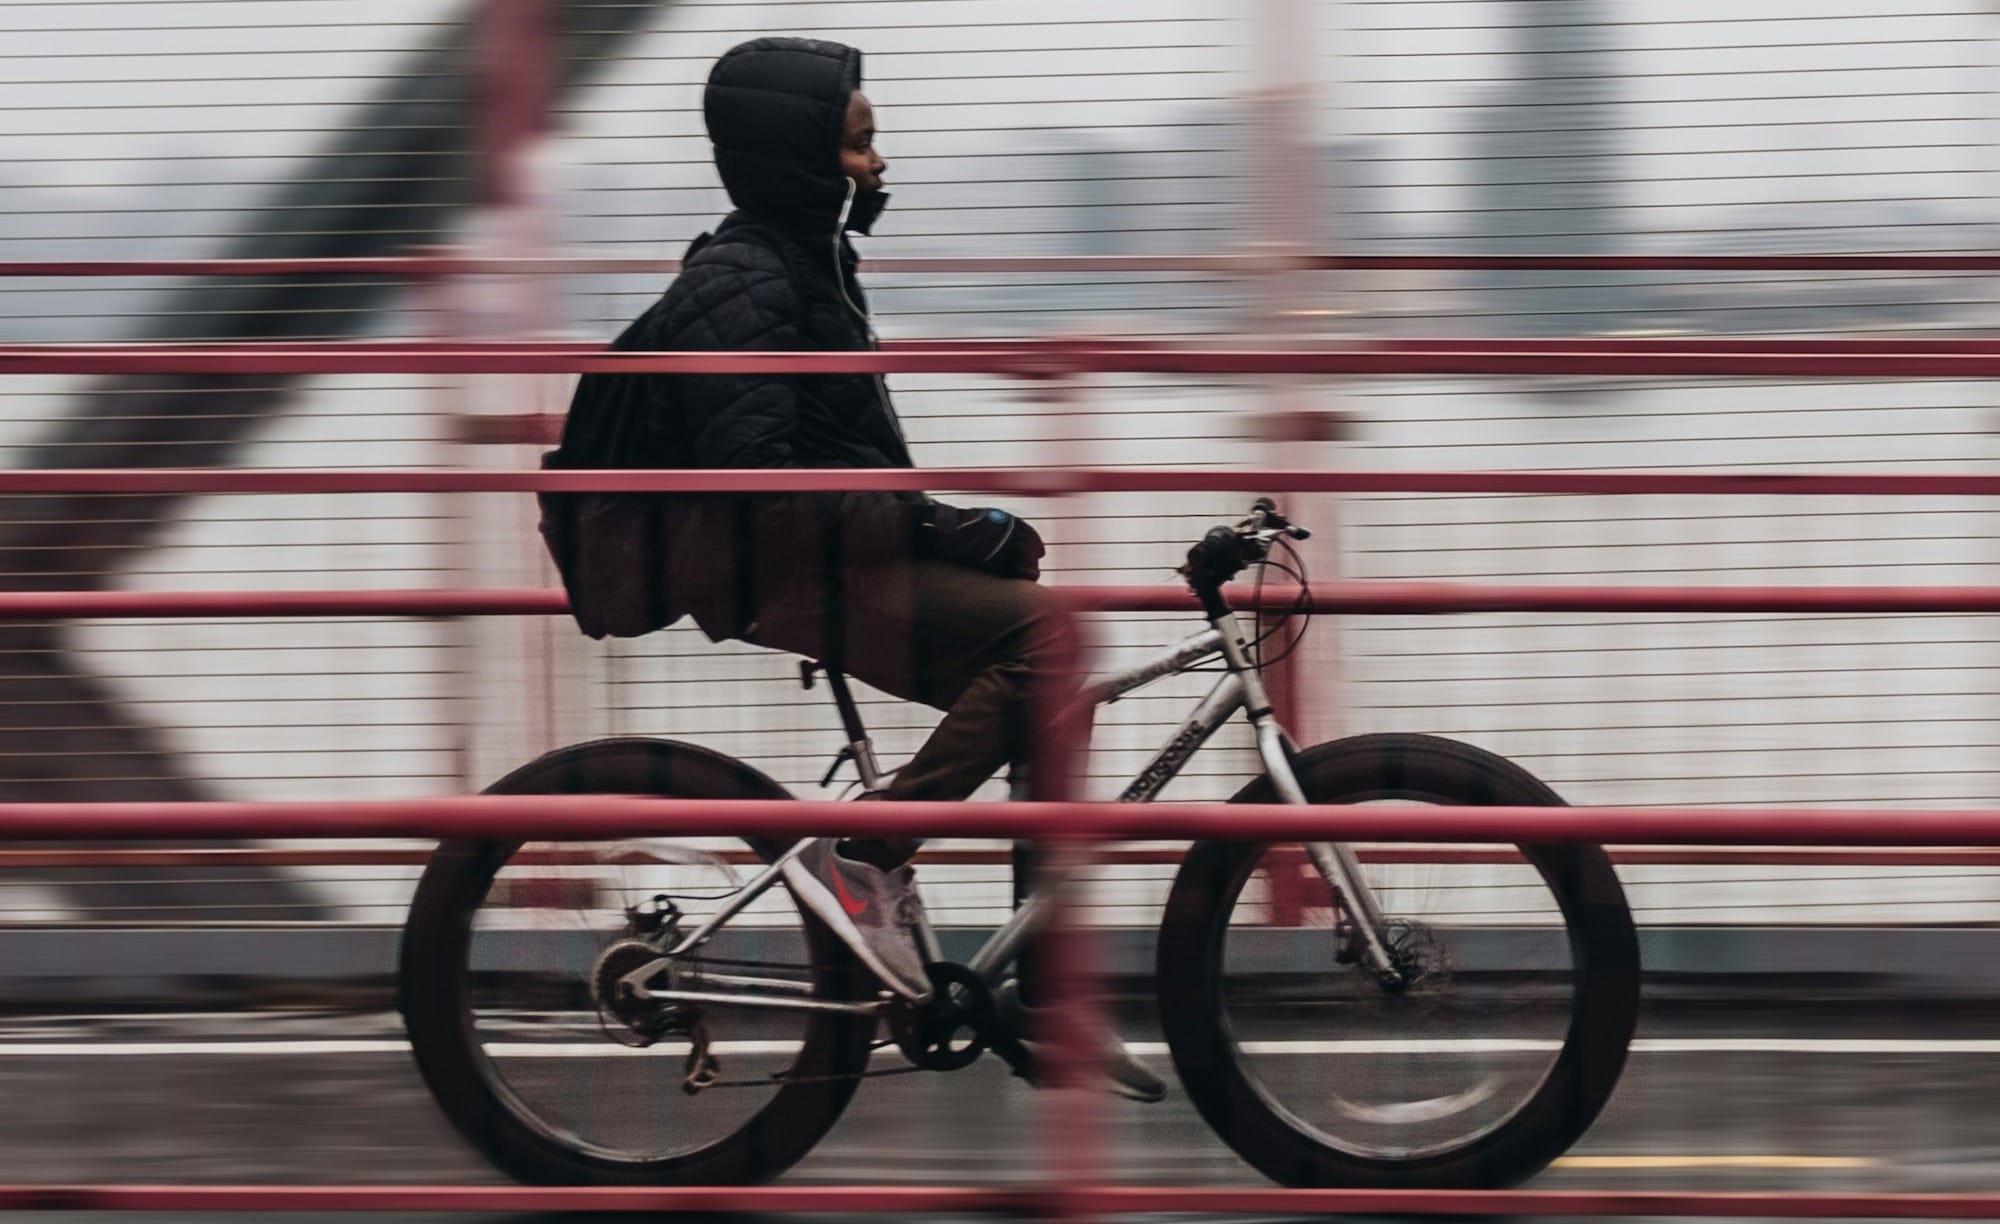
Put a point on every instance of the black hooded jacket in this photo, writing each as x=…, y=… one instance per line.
x=777, y=274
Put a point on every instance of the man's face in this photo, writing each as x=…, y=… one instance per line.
x=858, y=159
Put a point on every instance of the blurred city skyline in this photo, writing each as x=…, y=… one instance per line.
x=1683, y=115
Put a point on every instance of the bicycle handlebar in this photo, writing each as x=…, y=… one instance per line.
x=1227, y=551
x=1265, y=521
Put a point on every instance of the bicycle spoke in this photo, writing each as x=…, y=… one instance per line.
x=1404, y=1068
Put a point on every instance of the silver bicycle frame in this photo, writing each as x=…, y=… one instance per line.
x=1239, y=688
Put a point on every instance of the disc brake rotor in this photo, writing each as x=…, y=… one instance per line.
x=1421, y=959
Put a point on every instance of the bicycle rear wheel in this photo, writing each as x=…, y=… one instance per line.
x=508, y=970
x=1489, y=1058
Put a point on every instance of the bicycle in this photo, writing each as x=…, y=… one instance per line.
x=655, y=1013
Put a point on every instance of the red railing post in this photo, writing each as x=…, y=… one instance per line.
x=517, y=77
x=1066, y=954
x=514, y=92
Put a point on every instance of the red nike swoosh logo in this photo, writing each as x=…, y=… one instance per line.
x=847, y=902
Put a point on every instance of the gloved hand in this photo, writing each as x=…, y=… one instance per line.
x=983, y=538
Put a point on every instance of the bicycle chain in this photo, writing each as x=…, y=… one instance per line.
x=697, y=958
x=780, y=1079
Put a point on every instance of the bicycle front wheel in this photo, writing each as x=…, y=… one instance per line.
x=1489, y=1052
x=510, y=971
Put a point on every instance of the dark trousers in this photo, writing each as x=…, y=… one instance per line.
x=990, y=652
x=987, y=651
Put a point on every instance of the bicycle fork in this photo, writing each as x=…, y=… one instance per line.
x=1334, y=861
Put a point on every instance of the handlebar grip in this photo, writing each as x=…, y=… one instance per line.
x=1211, y=553
x=1265, y=504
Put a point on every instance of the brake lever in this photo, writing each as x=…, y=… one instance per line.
x=1268, y=534
x=1271, y=524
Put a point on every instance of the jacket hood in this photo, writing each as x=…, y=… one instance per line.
x=775, y=109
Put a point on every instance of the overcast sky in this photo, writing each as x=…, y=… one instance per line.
x=1837, y=102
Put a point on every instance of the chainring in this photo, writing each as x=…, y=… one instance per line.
x=960, y=1010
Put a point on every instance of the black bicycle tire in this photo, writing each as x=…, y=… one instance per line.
x=1603, y=944
x=432, y=985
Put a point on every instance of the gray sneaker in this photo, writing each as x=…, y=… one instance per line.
x=881, y=907
x=1122, y=1071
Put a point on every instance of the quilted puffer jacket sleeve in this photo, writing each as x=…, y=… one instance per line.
x=741, y=299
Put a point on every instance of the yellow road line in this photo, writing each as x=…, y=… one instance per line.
x=1716, y=1161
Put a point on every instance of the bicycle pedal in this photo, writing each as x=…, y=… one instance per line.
x=1346, y=943
x=1019, y=1058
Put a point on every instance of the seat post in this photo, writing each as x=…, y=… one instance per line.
x=859, y=748
x=850, y=714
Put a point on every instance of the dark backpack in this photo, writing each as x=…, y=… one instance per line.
x=611, y=548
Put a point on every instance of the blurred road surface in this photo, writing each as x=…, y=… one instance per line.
x=1717, y=1098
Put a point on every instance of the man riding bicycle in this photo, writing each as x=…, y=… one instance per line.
x=928, y=602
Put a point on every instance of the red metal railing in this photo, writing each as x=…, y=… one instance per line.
x=380, y=856
x=1027, y=481
x=599, y=817
x=449, y=263
x=582, y=817
x=1107, y=1200
x=585, y=817
x=1632, y=357
x=1352, y=597
x=515, y=75
x=596, y=816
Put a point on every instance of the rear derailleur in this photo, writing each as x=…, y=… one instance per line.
x=638, y=1022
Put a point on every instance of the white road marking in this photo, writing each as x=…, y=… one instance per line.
x=1817, y=1045
x=1704, y=1160
x=1398, y=1045
x=602, y=1048
x=1644, y=1045
x=182, y=1049
x=598, y=1049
